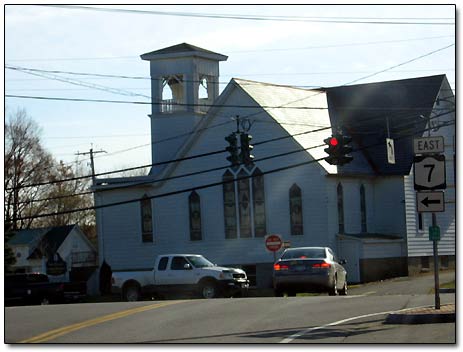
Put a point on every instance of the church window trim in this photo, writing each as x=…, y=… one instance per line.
x=295, y=210
x=146, y=212
x=194, y=206
x=363, y=209
x=340, y=203
x=255, y=227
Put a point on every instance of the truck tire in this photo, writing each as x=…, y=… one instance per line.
x=44, y=301
x=131, y=292
x=208, y=289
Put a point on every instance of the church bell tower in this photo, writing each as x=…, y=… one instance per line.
x=184, y=84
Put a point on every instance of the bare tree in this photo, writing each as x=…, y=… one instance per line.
x=26, y=162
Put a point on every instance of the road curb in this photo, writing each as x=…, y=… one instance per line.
x=424, y=316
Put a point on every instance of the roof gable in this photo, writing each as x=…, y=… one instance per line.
x=367, y=111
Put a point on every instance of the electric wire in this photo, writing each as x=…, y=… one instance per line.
x=191, y=189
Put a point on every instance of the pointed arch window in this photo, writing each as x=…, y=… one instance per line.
x=146, y=219
x=258, y=192
x=244, y=204
x=295, y=210
x=229, y=205
x=194, y=203
x=363, y=209
x=340, y=208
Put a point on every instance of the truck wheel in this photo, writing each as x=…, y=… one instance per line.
x=209, y=289
x=132, y=293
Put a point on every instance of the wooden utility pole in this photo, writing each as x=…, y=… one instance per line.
x=92, y=163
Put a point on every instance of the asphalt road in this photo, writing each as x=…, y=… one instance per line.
x=358, y=318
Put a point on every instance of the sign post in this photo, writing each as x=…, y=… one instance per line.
x=429, y=175
x=273, y=243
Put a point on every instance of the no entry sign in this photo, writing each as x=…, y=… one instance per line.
x=273, y=243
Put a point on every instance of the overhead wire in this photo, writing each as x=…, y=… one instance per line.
x=245, y=17
x=196, y=188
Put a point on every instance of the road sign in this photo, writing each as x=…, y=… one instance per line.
x=434, y=233
x=428, y=145
x=273, y=243
x=429, y=172
x=390, y=151
x=431, y=202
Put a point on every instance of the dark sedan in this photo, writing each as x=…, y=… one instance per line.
x=309, y=269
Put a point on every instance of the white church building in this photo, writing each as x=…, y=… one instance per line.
x=195, y=201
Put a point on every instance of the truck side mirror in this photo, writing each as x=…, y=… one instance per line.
x=187, y=266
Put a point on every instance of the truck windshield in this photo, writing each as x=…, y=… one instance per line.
x=199, y=262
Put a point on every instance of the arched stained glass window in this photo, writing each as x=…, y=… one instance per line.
x=340, y=208
x=146, y=219
x=244, y=204
x=363, y=209
x=295, y=209
x=258, y=192
x=229, y=205
x=195, y=216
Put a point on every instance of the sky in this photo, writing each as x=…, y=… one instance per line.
x=307, y=45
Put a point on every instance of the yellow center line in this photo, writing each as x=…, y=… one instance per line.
x=52, y=334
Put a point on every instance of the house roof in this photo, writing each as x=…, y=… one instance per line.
x=366, y=111
x=185, y=49
x=48, y=238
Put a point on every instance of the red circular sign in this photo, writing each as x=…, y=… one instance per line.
x=273, y=243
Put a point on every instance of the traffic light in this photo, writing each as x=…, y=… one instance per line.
x=245, y=156
x=338, y=149
x=344, y=150
x=233, y=158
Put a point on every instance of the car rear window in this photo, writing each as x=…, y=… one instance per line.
x=304, y=253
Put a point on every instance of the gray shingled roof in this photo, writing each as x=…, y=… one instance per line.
x=363, y=112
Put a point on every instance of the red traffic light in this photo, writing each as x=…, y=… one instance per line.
x=333, y=141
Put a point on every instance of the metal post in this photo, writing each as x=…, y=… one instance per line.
x=436, y=267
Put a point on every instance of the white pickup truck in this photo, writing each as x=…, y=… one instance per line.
x=186, y=273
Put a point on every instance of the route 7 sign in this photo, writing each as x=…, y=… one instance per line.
x=429, y=172
x=431, y=202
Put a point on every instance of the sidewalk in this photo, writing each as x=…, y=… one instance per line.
x=426, y=315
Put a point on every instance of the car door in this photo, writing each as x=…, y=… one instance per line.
x=161, y=274
x=181, y=272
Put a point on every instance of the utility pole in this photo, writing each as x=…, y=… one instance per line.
x=92, y=163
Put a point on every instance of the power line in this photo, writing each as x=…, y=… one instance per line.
x=204, y=186
x=245, y=17
x=195, y=157
x=326, y=46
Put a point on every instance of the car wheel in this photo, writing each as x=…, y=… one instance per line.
x=132, y=293
x=209, y=290
x=343, y=291
x=278, y=292
x=334, y=290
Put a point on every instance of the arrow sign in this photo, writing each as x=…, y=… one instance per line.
x=432, y=202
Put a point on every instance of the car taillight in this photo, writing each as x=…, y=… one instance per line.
x=279, y=266
x=60, y=288
x=321, y=265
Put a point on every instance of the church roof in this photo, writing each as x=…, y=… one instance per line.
x=183, y=49
x=363, y=111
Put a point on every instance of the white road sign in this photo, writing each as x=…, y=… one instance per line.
x=390, y=151
x=430, y=202
x=429, y=172
x=428, y=145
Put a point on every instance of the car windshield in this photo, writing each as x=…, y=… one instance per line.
x=199, y=262
x=304, y=253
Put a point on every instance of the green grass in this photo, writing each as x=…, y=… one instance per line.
x=450, y=284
